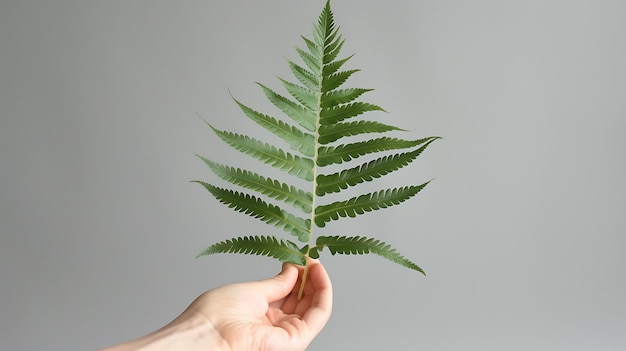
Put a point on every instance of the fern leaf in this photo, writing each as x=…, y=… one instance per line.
x=343, y=96
x=300, y=167
x=297, y=139
x=334, y=132
x=341, y=153
x=366, y=172
x=303, y=75
x=361, y=245
x=332, y=82
x=310, y=60
x=305, y=96
x=333, y=47
x=313, y=48
x=335, y=114
x=322, y=32
x=283, y=250
x=332, y=67
x=321, y=112
x=302, y=115
x=262, y=210
x=266, y=186
x=364, y=203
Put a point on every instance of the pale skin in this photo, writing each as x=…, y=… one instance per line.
x=261, y=315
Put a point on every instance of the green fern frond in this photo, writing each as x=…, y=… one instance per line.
x=333, y=47
x=305, y=96
x=311, y=60
x=300, y=167
x=297, y=139
x=377, y=168
x=358, y=245
x=343, y=96
x=283, y=250
x=328, y=155
x=262, y=210
x=336, y=114
x=317, y=112
x=323, y=32
x=266, y=186
x=303, y=75
x=330, y=68
x=302, y=115
x=364, y=203
x=331, y=82
x=313, y=48
x=334, y=132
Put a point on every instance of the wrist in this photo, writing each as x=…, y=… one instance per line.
x=195, y=333
x=188, y=334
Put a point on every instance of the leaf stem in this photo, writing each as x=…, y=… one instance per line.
x=304, y=276
x=318, y=112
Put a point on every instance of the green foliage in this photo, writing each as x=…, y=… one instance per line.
x=320, y=123
x=283, y=250
x=360, y=245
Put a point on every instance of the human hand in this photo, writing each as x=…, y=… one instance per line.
x=267, y=315
x=262, y=315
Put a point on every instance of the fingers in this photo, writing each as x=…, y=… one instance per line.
x=321, y=305
x=318, y=311
x=277, y=287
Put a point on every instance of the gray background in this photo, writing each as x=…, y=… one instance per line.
x=521, y=233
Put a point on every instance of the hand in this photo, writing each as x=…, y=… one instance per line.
x=263, y=315
x=267, y=315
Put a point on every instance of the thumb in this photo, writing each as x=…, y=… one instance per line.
x=277, y=287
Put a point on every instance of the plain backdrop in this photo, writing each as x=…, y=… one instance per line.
x=522, y=231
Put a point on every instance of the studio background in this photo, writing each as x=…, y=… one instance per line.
x=522, y=231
